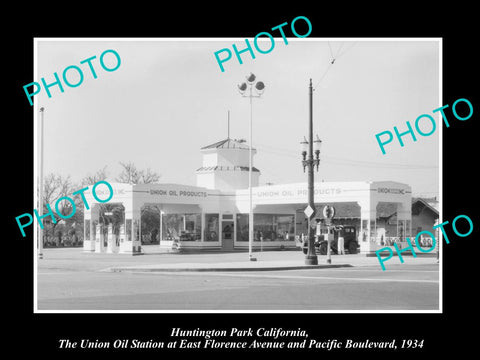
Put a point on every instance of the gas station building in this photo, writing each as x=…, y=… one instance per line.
x=213, y=215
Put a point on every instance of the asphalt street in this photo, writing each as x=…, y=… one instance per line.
x=71, y=280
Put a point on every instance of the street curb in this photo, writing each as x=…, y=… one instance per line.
x=271, y=268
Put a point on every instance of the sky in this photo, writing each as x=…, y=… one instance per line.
x=169, y=98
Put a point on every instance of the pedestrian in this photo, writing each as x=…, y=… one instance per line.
x=341, y=243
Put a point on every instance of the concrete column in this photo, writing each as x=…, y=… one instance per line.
x=89, y=229
x=202, y=224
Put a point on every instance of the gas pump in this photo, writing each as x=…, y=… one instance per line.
x=112, y=243
x=99, y=245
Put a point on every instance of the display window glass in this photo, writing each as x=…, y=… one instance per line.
x=267, y=227
x=211, y=227
x=183, y=227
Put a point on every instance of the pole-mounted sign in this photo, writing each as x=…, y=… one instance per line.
x=328, y=213
x=309, y=212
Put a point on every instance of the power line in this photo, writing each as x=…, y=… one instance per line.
x=347, y=162
x=377, y=164
x=331, y=52
x=334, y=58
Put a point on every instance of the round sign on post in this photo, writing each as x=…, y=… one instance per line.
x=328, y=213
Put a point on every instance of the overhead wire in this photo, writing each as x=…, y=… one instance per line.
x=324, y=74
x=347, y=162
x=339, y=49
x=330, y=47
x=347, y=49
x=338, y=160
x=333, y=59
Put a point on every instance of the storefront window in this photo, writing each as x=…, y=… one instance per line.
x=184, y=227
x=211, y=227
x=267, y=227
x=193, y=228
x=285, y=228
x=263, y=227
x=172, y=226
x=242, y=227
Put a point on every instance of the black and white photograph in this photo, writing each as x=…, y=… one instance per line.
x=229, y=180
x=162, y=148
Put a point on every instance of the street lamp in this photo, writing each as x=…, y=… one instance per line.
x=304, y=146
x=160, y=238
x=308, y=148
x=40, y=191
x=259, y=89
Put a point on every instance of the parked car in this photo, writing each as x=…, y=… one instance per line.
x=321, y=243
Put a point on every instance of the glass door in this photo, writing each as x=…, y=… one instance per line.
x=227, y=235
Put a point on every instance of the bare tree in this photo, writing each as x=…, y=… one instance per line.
x=57, y=186
x=96, y=177
x=131, y=175
x=90, y=180
x=149, y=177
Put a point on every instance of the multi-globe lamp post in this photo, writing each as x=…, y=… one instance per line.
x=309, y=148
x=259, y=87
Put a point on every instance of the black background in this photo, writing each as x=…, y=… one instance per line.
x=456, y=23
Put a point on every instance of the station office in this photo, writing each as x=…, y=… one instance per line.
x=214, y=214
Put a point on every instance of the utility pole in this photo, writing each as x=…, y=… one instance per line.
x=311, y=258
x=310, y=147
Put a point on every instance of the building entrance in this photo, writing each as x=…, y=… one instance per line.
x=227, y=235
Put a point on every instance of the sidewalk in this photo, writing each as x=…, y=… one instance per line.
x=246, y=265
x=268, y=261
x=74, y=259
